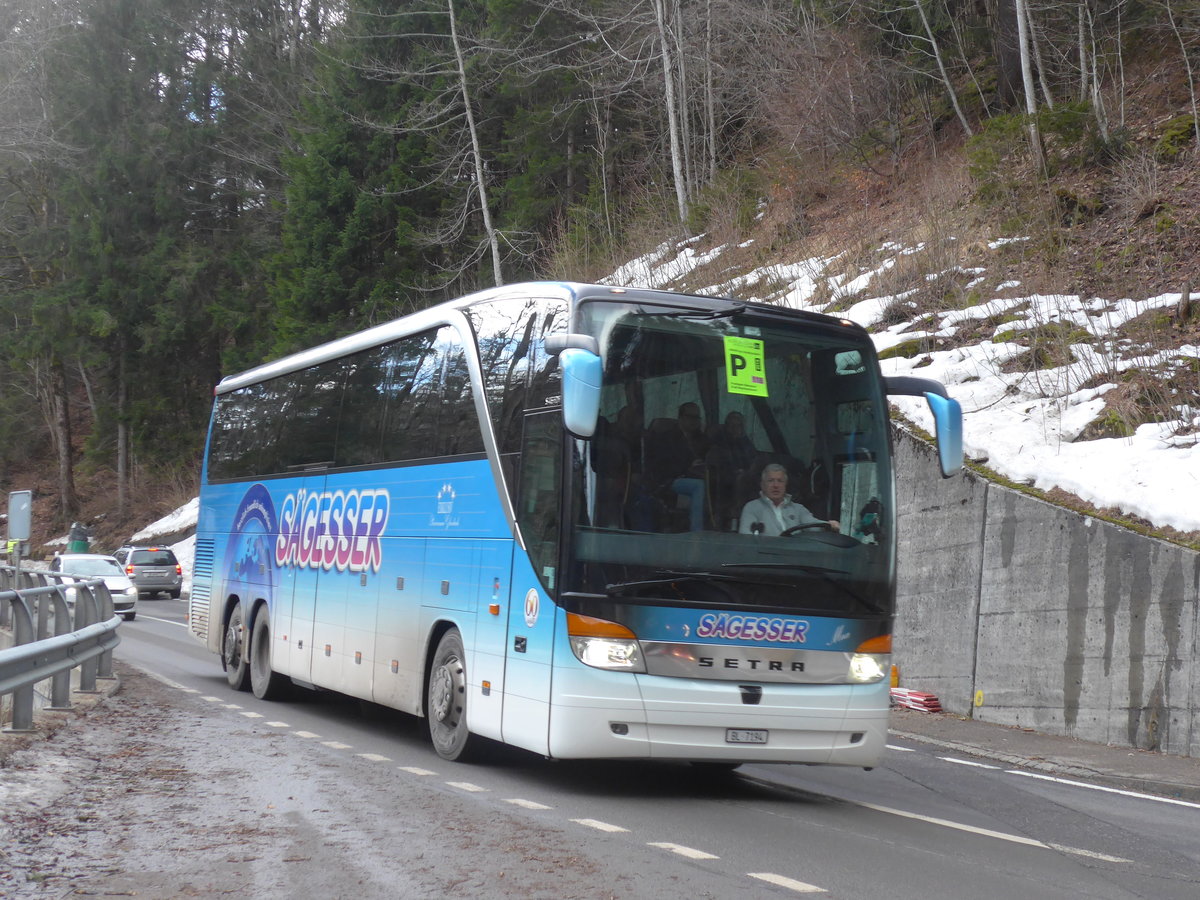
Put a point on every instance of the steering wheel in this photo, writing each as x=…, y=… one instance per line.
x=807, y=526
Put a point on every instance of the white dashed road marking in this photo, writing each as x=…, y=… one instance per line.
x=987, y=832
x=251, y=715
x=967, y=762
x=689, y=852
x=467, y=786
x=527, y=804
x=415, y=770
x=599, y=826
x=336, y=745
x=1100, y=787
x=375, y=757
x=305, y=734
x=785, y=882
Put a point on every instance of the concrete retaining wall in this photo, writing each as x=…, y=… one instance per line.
x=1055, y=621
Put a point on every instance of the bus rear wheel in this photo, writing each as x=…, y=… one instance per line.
x=265, y=682
x=446, y=700
x=237, y=672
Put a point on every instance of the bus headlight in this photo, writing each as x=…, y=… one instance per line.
x=870, y=661
x=604, y=645
x=867, y=668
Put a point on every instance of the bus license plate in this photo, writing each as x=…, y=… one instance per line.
x=744, y=736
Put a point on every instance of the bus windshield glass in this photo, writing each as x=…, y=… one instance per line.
x=741, y=462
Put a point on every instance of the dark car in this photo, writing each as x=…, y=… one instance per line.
x=153, y=570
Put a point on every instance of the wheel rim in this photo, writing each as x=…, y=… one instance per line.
x=448, y=683
x=233, y=641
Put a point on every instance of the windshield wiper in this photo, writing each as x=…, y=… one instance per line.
x=825, y=573
x=670, y=578
x=698, y=313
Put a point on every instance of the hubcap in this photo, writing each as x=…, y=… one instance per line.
x=442, y=693
x=233, y=644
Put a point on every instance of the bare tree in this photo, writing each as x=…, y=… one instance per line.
x=1035, y=137
x=670, y=77
x=476, y=150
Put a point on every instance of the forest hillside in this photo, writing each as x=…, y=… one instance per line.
x=191, y=187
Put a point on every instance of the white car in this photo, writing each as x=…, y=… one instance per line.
x=85, y=566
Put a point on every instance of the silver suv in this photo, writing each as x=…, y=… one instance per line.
x=153, y=570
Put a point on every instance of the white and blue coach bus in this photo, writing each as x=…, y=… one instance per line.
x=525, y=515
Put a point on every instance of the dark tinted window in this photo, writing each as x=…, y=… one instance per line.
x=407, y=400
x=152, y=558
x=518, y=374
x=306, y=425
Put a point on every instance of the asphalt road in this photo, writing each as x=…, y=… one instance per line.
x=324, y=796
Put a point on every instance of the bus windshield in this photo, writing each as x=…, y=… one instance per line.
x=741, y=461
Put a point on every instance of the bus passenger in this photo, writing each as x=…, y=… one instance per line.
x=675, y=454
x=774, y=511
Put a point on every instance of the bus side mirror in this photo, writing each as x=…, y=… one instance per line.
x=579, y=360
x=947, y=425
x=947, y=417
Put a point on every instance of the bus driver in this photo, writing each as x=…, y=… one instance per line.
x=774, y=511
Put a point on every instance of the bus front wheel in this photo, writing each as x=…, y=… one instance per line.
x=237, y=672
x=265, y=682
x=446, y=700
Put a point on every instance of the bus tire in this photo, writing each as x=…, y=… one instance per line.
x=265, y=682
x=446, y=700
x=237, y=670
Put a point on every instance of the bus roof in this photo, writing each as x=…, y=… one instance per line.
x=442, y=313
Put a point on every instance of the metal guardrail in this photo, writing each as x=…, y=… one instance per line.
x=52, y=635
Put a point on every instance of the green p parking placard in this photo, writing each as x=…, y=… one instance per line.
x=745, y=367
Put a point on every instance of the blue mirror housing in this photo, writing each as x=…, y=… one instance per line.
x=947, y=416
x=947, y=422
x=581, y=376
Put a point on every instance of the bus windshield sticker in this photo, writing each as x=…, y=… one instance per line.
x=745, y=371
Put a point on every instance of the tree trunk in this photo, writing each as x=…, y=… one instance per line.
x=672, y=111
x=937, y=55
x=1035, y=136
x=710, y=104
x=1008, y=55
x=476, y=151
x=122, y=433
x=68, y=502
x=1085, y=68
x=1187, y=63
x=1035, y=46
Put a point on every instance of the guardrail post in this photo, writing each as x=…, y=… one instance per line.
x=36, y=656
x=6, y=584
x=87, y=612
x=104, y=662
x=22, y=697
x=60, y=684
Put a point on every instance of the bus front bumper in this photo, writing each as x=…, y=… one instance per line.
x=617, y=715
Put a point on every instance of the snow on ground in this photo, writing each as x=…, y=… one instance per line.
x=173, y=523
x=1023, y=424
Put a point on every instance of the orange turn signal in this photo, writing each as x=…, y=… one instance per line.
x=879, y=644
x=588, y=626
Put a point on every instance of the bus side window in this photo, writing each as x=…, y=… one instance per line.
x=539, y=505
x=458, y=425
